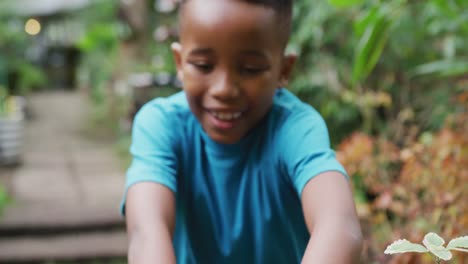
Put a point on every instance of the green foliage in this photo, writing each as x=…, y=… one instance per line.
x=99, y=61
x=102, y=32
x=31, y=76
x=373, y=31
x=13, y=44
x=364, y=64
x=100, y=37
x=443, y=68
x=345, y=3
x=3, y=100
x=4, y=199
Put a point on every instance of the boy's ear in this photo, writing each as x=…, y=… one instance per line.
x=287, y=69
x=177, y=53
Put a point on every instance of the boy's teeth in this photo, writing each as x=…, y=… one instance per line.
x=227, y=116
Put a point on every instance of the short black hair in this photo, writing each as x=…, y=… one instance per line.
x=283, y=8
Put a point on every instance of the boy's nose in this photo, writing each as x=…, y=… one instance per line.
x=225, y=88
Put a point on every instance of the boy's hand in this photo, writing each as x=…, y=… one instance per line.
x=331, y=218
x=150, y=216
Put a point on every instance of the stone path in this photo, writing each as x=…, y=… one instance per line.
x=66, y=192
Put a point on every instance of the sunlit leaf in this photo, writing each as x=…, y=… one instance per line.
x=365, y=20
x=459, y=242
x=433, y=239
x=435, y=244
x=446, y=6
x=443, y=68
x=345, y=3
x=404, y=246
x=441, y=252
x=370, y=46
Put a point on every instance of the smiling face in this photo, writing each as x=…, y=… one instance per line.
x=231, y=62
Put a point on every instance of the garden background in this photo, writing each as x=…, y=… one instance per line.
x=389, y=77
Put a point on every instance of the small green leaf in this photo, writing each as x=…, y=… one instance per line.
x=365, y=20
x=435, y=244
x=345, y=3
x=459, y=242
x=433, y=239
x=404, y=246
x=443, y=68
x=371, y=44
x=441, y=253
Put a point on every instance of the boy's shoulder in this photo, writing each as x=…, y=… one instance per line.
x=163, y=113
x=175, y=104
x=292, y=119
x=288, y=108
x=176, y=101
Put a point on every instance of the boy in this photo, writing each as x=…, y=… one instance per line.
x=236, y=169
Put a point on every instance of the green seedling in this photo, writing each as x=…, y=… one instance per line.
x=433, y=243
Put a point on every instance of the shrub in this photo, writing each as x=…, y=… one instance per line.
x=410, y=190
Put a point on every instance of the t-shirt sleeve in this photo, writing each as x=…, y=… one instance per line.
x=306, y=150
x=152, y=149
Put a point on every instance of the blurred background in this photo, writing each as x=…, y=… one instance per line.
x=389, y=77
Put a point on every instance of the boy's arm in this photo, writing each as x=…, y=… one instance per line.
x=331, y=218
x=150, y=217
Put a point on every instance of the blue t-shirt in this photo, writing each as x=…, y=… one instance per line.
x=236, y=203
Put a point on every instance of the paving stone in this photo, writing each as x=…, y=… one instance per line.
x=68, y=247
x=95, y=158
x=38, y=160
x=46, y=217
x=108, y=187
x=67, y=186
x=51, y=185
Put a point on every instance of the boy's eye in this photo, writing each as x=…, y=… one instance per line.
x=253, y=70
x=202, y=66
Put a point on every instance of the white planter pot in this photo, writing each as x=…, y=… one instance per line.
x=11, y=139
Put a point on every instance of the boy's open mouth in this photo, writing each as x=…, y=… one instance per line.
x=226, y=116
x=225, y=120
